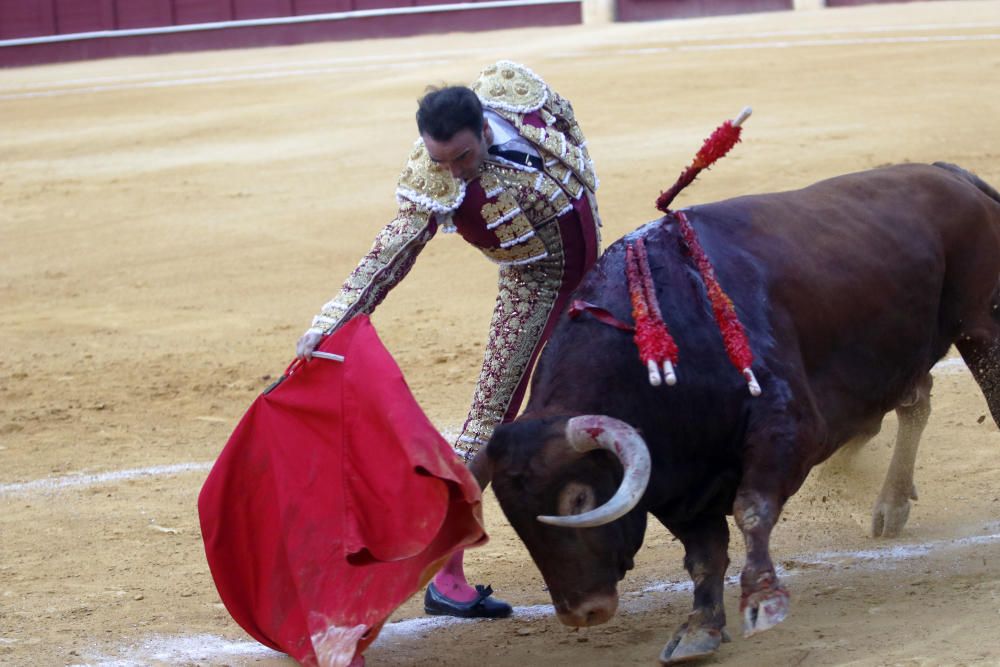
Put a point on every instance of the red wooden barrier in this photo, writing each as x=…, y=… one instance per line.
x=84, y=15
x=649, y=10
x=20, y=19
x=26, y=19
x=847, y=3
x=201, y=11
x=143, y=14
x=258, y=9
x=40, y=18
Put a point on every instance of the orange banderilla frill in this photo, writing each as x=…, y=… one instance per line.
x=656, y=346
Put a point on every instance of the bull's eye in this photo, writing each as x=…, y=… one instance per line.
x=576, y=498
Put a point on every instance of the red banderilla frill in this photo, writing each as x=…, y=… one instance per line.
x=717, y=145
x=656, y=346
x=733, y=334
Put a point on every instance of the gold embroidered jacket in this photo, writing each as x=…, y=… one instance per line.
x=498, y=212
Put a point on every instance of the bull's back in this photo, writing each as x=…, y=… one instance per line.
x=868, y=276
x=888, y=224
x=845, y=282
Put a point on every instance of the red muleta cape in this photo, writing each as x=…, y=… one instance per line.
x=334, y=500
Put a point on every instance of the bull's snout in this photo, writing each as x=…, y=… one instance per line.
x=592, y=611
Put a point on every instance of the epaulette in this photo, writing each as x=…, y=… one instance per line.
x=511, y=87
x=429, y=185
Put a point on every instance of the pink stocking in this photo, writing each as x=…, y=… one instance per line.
x=451, y=582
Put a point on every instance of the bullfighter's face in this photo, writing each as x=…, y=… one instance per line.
x=463, y=154
x=535, y=473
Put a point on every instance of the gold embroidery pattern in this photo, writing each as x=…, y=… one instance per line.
x=523, y=253
x=525, y=301
x=566, y=123
x=391, y=257
x=490, y=182
x=557, y=145
x=517, y=230
x=510, y=86
x=526, y=200
x=500, y=211
x=426, y=183
x=567, y=178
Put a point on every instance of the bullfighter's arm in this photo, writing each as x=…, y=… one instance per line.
x=391, y=257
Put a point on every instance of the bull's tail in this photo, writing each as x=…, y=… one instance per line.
x=967, y=175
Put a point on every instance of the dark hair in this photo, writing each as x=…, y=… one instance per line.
x=444, y=112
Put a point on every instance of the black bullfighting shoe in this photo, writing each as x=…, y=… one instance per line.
x=481, y=606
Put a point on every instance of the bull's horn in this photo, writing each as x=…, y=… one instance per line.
x=600, y=432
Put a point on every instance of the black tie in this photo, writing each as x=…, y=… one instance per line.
x=518, y=157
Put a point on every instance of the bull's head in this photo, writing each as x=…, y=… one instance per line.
x=567, y=486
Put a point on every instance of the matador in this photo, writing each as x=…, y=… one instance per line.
x=504, y=164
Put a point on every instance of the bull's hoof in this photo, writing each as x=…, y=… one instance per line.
x=691, y=644
x=889, y=517
x=764, y=609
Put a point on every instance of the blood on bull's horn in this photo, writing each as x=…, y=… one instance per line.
x=589, y=432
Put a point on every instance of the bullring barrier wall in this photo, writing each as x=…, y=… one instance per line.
x=41, y=31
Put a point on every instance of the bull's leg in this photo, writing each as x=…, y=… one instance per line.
x=773, y=469
x=779, y=449
x=764, y=601
x=892, y=507
x=980, y=348
x=706, y=545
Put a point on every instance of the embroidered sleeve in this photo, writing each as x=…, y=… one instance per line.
x=391, y=257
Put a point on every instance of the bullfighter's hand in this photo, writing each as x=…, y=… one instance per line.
x=307, y=344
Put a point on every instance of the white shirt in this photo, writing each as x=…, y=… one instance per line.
x=505, y=136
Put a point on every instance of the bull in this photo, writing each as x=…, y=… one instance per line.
x=849, y=291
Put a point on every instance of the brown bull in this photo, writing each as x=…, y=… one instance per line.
x=849, y=290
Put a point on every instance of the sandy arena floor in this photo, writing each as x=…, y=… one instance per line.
x=169, y=225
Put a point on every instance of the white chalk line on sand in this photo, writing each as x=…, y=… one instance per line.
x=204, y=647
x=83, y=480
x=185, y=650
x=279, y=71
x=950, y=366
